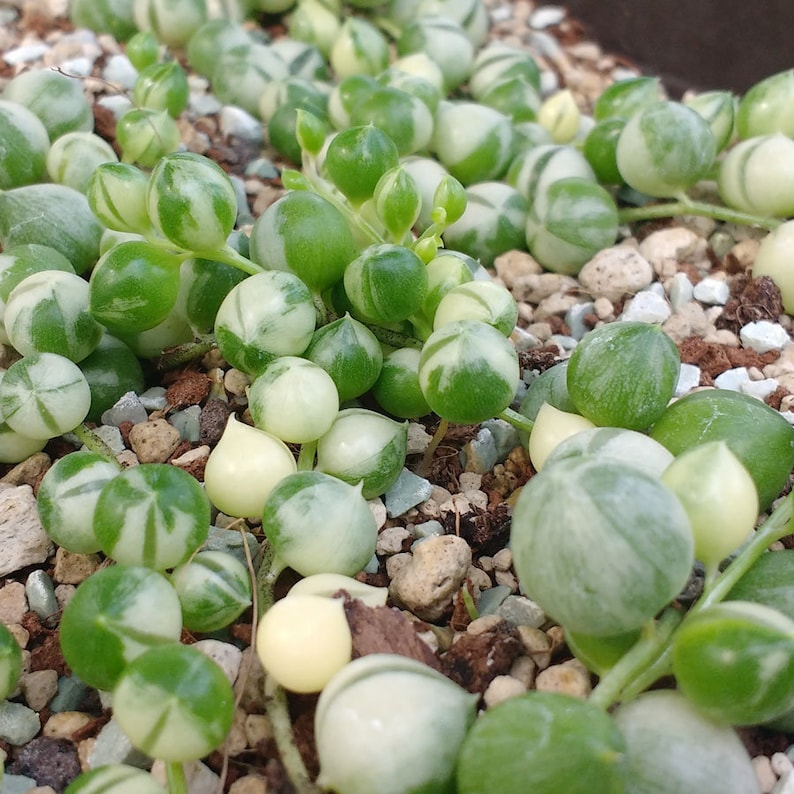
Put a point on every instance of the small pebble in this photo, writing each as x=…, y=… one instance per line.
x=785, y=785
x=227, y=656
x=537, y=645
x=17, y=784
x=759, y=388
x=237, y=123
x=39, y=687
x=113, y=747
x=249, y=784
x=40, y=592
x=186, y=422
x=521, y=611
x=615, y=272
x=501, y=688
x=406, y=492
x=763, y=336
x=391, y=539
x=781, y=764
x=128, y=408
x=546, y=17
x=575, y=318
x=764, y=774
x=505, y=437
x=199, y=777
x=479, y=455
x=71, y=693
x=688, y=379
x=647, y=307
x=428, y=529
x=22, y=537
x=13, y=603
x=154, y=399
x=732, y=379
x=712, y=291
x=154, y=441
x=18, y=723
x=64, y=724
x=568, y=678
x=25, y=54
x=432, y=576
x=111, y=436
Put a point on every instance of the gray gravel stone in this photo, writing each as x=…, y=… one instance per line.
x=520, y=611
x=480, y=454
x=113, y=747
x=128, y=408
x=407, y=491
x=40, y=592
x=18, y=723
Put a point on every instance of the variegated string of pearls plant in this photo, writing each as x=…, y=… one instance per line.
x=367, y=278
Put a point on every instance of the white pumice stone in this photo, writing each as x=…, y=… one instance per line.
x=712, y=291
x=763, y=336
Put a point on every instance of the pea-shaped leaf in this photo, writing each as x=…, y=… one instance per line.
x=364, y=446
x=244, y=467
x=117, y=196
x=174, y=703
x=191, y=201
x=764, y=107
x=570, y=223
x=672, y=747
x=350, y=353
x=173, y=22
x=44, y=395
x=385, y=717
x=718, y=108
x=294, y=399
x=304, y=234
x=386, y=283
x=486, y=301
x=624, y=98
x=359, y=48
x=153, y=514
x=472, y=141
x=134, y=287
x=146, y=135
x=397, y=389
x=757, y=434
x=25, y=146
x=116, y=614
x=214, y=588
x=357, y=158
x=317, y=523
x=755, y=176
x=264, y=316
x=664, y=149
x=68, y=496
x=772, y=261
x=468, y=371
x=600, y=545
x=623, y=374
x=542, y=741
x=735, y=662
x=162, y=86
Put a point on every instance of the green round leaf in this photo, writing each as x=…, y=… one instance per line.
x=600, y=545
x=542, y=741
x=623, y=374
x=153, y=514
x=757, y=434
x=174, y=703
x=116, y=614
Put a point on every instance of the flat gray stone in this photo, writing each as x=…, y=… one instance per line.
x=18, y=723
x=408, y=491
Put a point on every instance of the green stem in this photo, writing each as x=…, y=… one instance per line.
x=184, y=354
x=394, y=338
x=229, y=256
x=277, y=710
x=636, y=662
x=268, y=568
x=306, y=456
x=649, y=659
x=671, y=209
x=175, y=773
x=519, y=421
x=423, y=469
x=94, y=443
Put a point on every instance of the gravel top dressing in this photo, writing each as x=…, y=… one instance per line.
x=394, y=397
